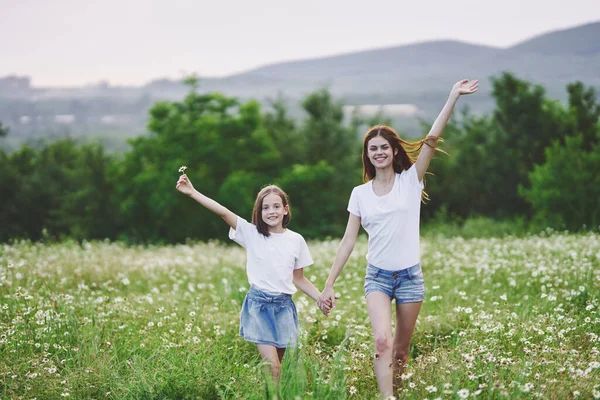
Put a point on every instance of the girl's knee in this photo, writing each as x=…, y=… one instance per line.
x=275, y=369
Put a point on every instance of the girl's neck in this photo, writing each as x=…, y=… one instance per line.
x=276, y=229
x=385, y=176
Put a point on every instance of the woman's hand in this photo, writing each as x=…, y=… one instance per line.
x=465, y=87
x=327, y=298
x=184, y=185
x=325, y=307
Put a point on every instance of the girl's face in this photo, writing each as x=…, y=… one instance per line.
x=380, y=152
x=273, y=211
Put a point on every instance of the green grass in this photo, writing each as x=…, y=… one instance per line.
x=503, y=318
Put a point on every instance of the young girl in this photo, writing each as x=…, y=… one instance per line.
x=275, y=260
x=388, y=207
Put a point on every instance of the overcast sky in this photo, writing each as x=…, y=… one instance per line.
x=74, y=42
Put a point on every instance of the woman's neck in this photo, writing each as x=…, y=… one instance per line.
x=385, y=176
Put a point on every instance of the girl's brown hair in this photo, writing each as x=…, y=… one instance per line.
x=258, y=204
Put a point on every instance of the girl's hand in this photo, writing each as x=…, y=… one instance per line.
x=184, y=185
x=325, y=307
x=327, y=297
x=465, y=87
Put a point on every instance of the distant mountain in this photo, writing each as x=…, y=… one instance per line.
x=419, y=74
x=583, y=40
x=553, y=60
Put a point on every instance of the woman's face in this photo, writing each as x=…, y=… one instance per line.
x=380, y=152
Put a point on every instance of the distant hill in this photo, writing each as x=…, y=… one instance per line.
x=582, y=40
x=419, y=74
x=405, y=72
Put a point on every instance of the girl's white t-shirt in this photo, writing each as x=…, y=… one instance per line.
x=271, y=261
x=391, y=221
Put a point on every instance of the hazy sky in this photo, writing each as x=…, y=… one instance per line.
x=74, y=42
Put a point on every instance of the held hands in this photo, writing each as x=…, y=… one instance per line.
x=325, y=307
x=184, y=185
x=327, y=300
x=465, y=87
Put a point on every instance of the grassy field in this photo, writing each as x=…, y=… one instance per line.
x=503, y=318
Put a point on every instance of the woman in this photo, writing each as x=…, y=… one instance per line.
x=388, y=207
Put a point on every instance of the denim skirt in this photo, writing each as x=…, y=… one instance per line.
x=405, y=285
x=269, y=319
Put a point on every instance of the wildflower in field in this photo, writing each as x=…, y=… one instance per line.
x=463, y=393
x=406, y=375
x=353, y=390
x=431, y=389
x=528, y=386
x=182, y=169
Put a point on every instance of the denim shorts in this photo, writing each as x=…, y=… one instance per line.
x=269, y=319
x=405, y=285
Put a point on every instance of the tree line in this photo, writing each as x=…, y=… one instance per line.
x=533, y=158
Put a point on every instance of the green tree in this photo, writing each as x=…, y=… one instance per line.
x=3, y=130
x=88, y=210
x=584, y=113
x=324, y=132
x=61, y=188
x=565, y=190
x=322, y=183
x=217, y=137
x=492, y=155
x=283, y=131
x=527, y=122
x=14, y=170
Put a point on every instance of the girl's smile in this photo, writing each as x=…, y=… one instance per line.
x=273, y=212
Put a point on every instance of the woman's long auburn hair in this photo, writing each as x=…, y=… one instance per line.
x=258, y=204
x=406, y=152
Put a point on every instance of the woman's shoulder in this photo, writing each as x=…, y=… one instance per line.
x=361, y=188
x=405, y=173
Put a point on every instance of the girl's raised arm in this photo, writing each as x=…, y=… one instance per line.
x=184, y=185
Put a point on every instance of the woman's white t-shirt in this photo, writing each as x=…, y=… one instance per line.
x=391, y=221
x=271, y=261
